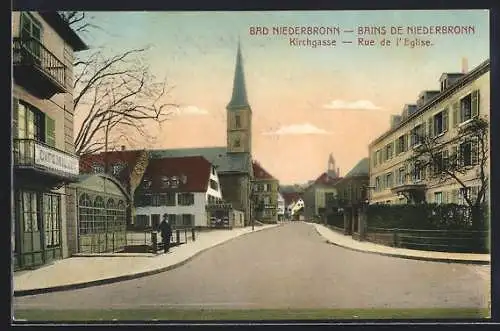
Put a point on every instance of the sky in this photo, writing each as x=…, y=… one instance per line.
x=307, y=102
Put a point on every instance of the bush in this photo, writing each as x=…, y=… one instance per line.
x=426, y=217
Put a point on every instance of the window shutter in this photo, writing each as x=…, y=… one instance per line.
x=460, y=153
x=475, y=103
x=445, y=119
x=395, y=147
x=15, y=106
x=454, y=155
x=474, y=151
x=430, y=127
x=50, y=131
x=455, y=114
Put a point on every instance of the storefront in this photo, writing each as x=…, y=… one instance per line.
x=222, y=215
x=101, y=214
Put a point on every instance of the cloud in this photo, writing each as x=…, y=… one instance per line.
x=190, y=110
x=351, y=105
x=297, y=129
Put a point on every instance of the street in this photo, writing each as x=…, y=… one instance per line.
x=290, y=266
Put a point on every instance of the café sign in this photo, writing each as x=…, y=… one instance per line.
x=56, y=160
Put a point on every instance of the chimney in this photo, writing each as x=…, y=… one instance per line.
x=123, y=147
x=465, y=65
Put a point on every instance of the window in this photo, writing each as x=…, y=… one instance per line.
x=329, y=197
x=466, y=108
x=440, y=123
x=52, y=220
x=86, y=214
x=213, y=170
x=237, y=142
x=402, y=176
x=379, y=157
x=142, y=221
x=99, y=215
x=214, y=185
x=418, y=172
x=187, y=220
x=402, y=144
x=468, y=153
x=172, y=219
x=31, y=29
x=463, y=194
x=185, y=199
x=438, y=163
x=388, y=180
x=237, y=121
x=146, y=200
x=170, y=199
x=388, y=151
x=146, y=183
x=377, y=184
x=111, y=219
x=165, y=182
x=416, y=136
x=174, y=181
x=374, y=157
x=116, y=169
x=97, y=168
x=30, y=123
x=29, y=211
x=155, y=200
x=438, y=197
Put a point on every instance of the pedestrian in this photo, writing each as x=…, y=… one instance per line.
x=166, y=233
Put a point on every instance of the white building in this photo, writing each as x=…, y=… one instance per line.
x=281, y=207
x=181, y=187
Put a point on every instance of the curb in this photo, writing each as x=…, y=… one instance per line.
x=409, y=257
x=117, y=279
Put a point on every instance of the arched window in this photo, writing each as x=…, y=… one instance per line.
x=100, y=214
x=120, y=215
x=85, y=214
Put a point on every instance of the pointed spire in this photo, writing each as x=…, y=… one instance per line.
x=239, y=98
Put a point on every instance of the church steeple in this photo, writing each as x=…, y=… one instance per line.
x=239, y=98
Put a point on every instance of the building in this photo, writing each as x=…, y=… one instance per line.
x=281, y=207
x=265, y=194
x=181, y=187
x=437, y=116
x=233, y=161
x=321, y=193
x=354, y=186
x=42, y=129
x=126, y=166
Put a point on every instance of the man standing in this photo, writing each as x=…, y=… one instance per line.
x=166, y=233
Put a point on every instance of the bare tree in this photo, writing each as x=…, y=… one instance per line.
x=469, y=155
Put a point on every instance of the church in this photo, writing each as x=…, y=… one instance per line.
x=233, y=161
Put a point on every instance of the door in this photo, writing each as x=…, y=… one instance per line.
x=30, y=221
x=52, y=226
x=155, y=221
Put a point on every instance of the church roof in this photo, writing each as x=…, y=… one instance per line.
x=360, y=169
x=239, y=98
x=218, y=156
x=260, y=173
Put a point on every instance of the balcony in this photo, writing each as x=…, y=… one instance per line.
x=37, y=69
x=38, y=163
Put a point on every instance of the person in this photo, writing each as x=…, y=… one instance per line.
x=166, y=233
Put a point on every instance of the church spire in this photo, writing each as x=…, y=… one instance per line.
x=239, y=98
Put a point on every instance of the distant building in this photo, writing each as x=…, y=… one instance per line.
x=353, y=187
x=321, y=193
x=265, y=194
x=180, y=187
x=44, y=161
x=281, y=207
x=439, y=114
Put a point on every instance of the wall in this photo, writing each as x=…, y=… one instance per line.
x=198, y=210
x=244, y=132
x=238, y=218
x=235, y=190
x=215, y=193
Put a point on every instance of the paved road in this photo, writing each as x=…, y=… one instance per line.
x=288, y=266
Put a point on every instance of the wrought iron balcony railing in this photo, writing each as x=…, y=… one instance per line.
x=35, y=154
x=31, y=52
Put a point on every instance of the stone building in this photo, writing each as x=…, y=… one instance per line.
x=42, y=131
x=437, y=116
x=265, y=194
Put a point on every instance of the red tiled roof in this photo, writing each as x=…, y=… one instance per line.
x=128, y=158
x=194, y=169
x=324, y=179
x=260, y=173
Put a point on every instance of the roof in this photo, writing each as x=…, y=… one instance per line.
x=127, y=158
x=218, y=156
x=192, y=172
x=360, y=169
x=325, y=180
x=290, y=197
x=260, y=173
x=83, y=177
x=64, y=30
x=239, y=97
x=465, y=79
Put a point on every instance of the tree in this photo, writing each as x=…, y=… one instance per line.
x=468, y=156
x=116, y=96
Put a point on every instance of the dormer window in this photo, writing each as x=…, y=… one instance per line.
x=165, y=182
x=97, y=168
x=183, y=179
x=117, y=168
x=174, y=181
x=147, y=183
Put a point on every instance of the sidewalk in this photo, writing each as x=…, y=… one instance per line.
x=344, y=241
x=78, y=272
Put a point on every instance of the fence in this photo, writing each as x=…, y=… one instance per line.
x=149, y=241
x=459, y=241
